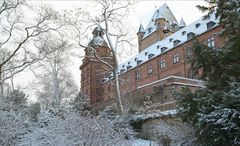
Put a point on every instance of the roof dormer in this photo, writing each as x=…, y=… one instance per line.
x=176, y=42
x=210, y=25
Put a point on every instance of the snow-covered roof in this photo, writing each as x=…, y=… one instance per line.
x=143, y=117
x=141, y=28
x=162, y=12
x=164, y=45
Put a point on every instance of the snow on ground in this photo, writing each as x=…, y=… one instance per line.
x=143, y=142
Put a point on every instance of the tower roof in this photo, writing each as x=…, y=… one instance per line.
x=141, y=28
x=182, y=23
x=98, y=39
x=162, y=12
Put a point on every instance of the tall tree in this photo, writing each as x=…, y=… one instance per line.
x=110, y=19
x=56, y=80
x=215, y=110
x=18, y=33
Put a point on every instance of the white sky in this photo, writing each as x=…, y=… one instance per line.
x=142, y=12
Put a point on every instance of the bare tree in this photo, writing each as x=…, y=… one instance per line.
x=110, y=20
x=20, y=24
x=56, y=80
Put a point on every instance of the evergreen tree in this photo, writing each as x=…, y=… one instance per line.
x=215, y=110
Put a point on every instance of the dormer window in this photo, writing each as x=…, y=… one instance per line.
x=138, y=62
x=150, y=56
x=135, y=59
x=171, y=39
x=146, y=53
x=129, y=62
x=150, y=30
x=163, y=49
x=184, y=32
x=176, y=42
x=123, y=66
x=111, y=76
x=128, y=67
x=210, y=25
x=190, y=35
x=158, y=47
x=197, y=25
x=122, y=70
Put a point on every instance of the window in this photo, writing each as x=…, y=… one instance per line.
x=171, y=39
x=150, y=56
x=210, y=25
x=128, y=67
x=122, y=70
x=163, y=49
x=184, y=32
x=162, y=64
x=175, y=58
x=138, y=62
x=197, y=25
x=150, y=30
x=149, y=70
x=188, y=53
x=176, y=42
x=138, y=75
x=190, y=35
x=210, y=42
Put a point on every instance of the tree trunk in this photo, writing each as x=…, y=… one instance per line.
x=56, y=94
x=117, y=92
x=1, y=83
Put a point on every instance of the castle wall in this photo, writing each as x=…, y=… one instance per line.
x=132, y=88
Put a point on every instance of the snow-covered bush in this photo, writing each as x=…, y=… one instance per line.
x=73, y=129
x=15, y=101
x=12, y=128
x=120, y=122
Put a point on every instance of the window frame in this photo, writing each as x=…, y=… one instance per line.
x=162, y=64
x=149, y=69
x=137, y=75
x=175, y=58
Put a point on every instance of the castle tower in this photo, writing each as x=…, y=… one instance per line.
x=92, y=70
x=140, y=34
x=162, y=24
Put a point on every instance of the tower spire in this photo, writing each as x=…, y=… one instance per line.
x=182, y=23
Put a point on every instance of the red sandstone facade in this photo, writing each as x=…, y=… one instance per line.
x=153, y=77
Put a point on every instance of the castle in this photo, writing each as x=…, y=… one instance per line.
x=161, y=64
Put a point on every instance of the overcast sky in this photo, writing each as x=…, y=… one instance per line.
x=142, y=12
